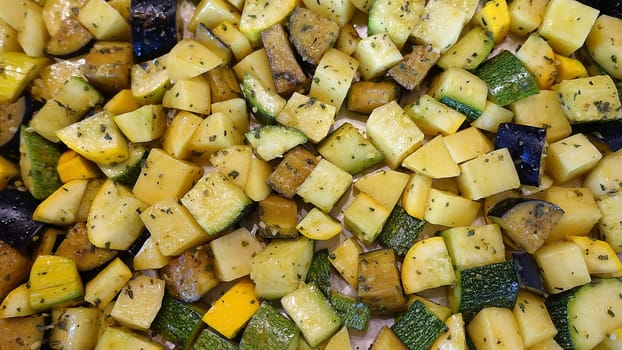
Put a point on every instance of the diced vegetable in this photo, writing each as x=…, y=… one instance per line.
x=192, y=274
x=268, y=329
x=233, y=309
x=507, y=78
x=54, y=280
x=418, y=327
x=379, y=284
x=154, y=28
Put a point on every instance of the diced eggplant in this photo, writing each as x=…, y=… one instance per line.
x=77, y=246
x=16, y=225
x=292, y=171
x=155, y=27
x=365, y=96
x=526, y=145
x=606, y=7
x=71, y=39
x=11, y=117
x=528, y=273
x=527, y=222
x=609, y=133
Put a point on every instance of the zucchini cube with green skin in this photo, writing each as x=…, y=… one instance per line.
x=434, y=117
x=400, y=231
x=280, y=267
x=150, y=81
x=418, y=327
x=265, y=103
x=38, y=161
x=379, y=285
x=177, y=321
x=473, y=246
x=566, y=24
x=349, y=150
x=144, y=124
x=216, y=203
x=468, y=52
x=269, y=329
x=376, y=54
x=462, y=91
x=355, y=314
x=272, y=141
x=126, y=172
x=209, y=339
x=53, y=280
x=325, y=185
x=391, y=130
x=319, y=272
x=590, y=99
x=333, y=77
x=365, y=217
x=312, y=313
x=307, y=114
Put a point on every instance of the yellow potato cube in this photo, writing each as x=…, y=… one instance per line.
x=533, y=320
x=566, y=24
x=449, y=209
x=432, y=159
x=138, y=303
x=571, y=157
x=179, y=133
x=494, y=328
x=562, y=266
x=415, y=196
x=488, y=174
x=467, y=144
x=527, y=112
x=581, y=212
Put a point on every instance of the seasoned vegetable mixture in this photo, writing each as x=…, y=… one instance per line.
x=314, y=174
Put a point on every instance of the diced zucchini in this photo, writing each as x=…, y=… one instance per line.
x=292, y=171
x=379, y=284
x=230, y=40
x=555, y=121
x=268, y=329
x=53, y=281
x=462, y=91
x=223, y=85
x=72, y=166
x=149, y=256
x=265, y=104
x=150, y=81
x=386, y=339
x=272, y=141
x=75, y=327
x=355, y=314
x=583, y=316
x=473, y=246
x=376, y=54
x=467, y=144
x=233, y=309
x=319, y=271
x=144, y=124
x=494, y=16
x=395, y=18
x=325, y=185
x=38, y=161
x=319, y=225
x=126, y=172
x=311, y=34
x=234, y=254
x=286, y=72
x=312, y=313
x=332, y=77
x=454, y=337
x=307, y=114
x=427, y=265
x=400, y=231
x=434, y=117
x=418, y=327
x=571, y=157
x=213, y=12
x=280, y=267
x=349, y=150
x=507, y=78
x=526, y=15
x=493, y=285
x=471, y=50
x=209, y=339
x=258, y=15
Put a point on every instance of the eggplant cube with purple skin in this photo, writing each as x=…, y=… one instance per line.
x=526, y=145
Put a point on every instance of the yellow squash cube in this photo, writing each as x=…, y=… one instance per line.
x=122, y=102
x=599, y=255
x=427, y=265
x=233, y=309
x=318, y=225
x=72, y=166
x=569, y=68
x=415, y=195
x=345, y=259
x=571, y=157
x=562, y=266
x=385, y=186
x=495, y=17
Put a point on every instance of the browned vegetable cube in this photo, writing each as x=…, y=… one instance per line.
x=107, y=66
x=296, y=165
x=311, y=34
x=21, y=333
x=286, y=72
x=278, y=217
x=77, y=246
x=15, y=268
x=223, y=84
x=364, y=96
x=379, y=282
x=191, y=275
x=413, y=68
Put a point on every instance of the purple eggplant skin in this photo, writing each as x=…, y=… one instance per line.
x=526, y=145
x=155, y=27
x=611, y=8
x=17, y=228
x=609, y=133
x=528, y=273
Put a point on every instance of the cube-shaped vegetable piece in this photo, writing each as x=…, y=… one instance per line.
x=96, y=138
x=376, y=54
x=495, y=18
x=172, y=227
x=391, y=130
x=214, y=133
x=192, y=95
x=325, y=185
x=590, y=99
x=571, y=157
x=144, y=124
x=493, y=326
x=216, y=203
x=307, y=114
x=461, y=90
x=280, y=267
x=581, y=212
x=139, y=302
x=188, y=59
x=234, y=253
x=76, y=325
x=610, y=223
x=179, y=133
x=104, y=21
x=569, y=68
x=277, y=217
x=433, y=160
x=488, y=174
x=492, y=116
x=415, y=196
x=269, y=329
x=164, y=177
x=257, y=65
x=233, y=309
x=398, y=21
x=449, y=209
x=528, y=112
x=400, y=231
x=539, y=57
x=348, y=39
x=233, y=162
x=150, y=257
x=599, y=255
x=192, y=274
x=213, y=12
x=440, y=24
x=603, y=180
x=333, y=77
x=286, y=72
x=418, y=327
x=379, y=282
x=385, y=186
x=562, y=266
x=71, y=166
x=53, y=280
x=366, y=95
x=470, y=51
x=237, y=111
x=365, y=217
x=454, y=337
x=413, y=68
x=604, y=44
x=256, y=187
x=526, y=15
x=318, y=225
x=107, y=283
x=533, y=320
x=526, y=146
x=345, y=259
x=467, y=144
x=312, y=313
x=473, y=246
x=434, y=117
x=20, y=70
x=311, y=34
x=264, y=101
x=348, y=149
x=61, y=207
x=386, y=339
x=339, y=11
x=427, y=265
x=566, y=24
x=258, y=15
x=292, y=171
x=113, y=220
x=272, y=141
x=112, y=336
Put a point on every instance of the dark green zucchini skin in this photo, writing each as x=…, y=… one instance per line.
x=507, y=78
x=154, y=27
x=528, y=273
x=354, y=314
x=557, y=306
x=209, y=340
x=319, y=271
x=526, y=145
x=400, y=231
x=268, y=329
x=177, y=322
x=16, y=225
x=418, y=328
